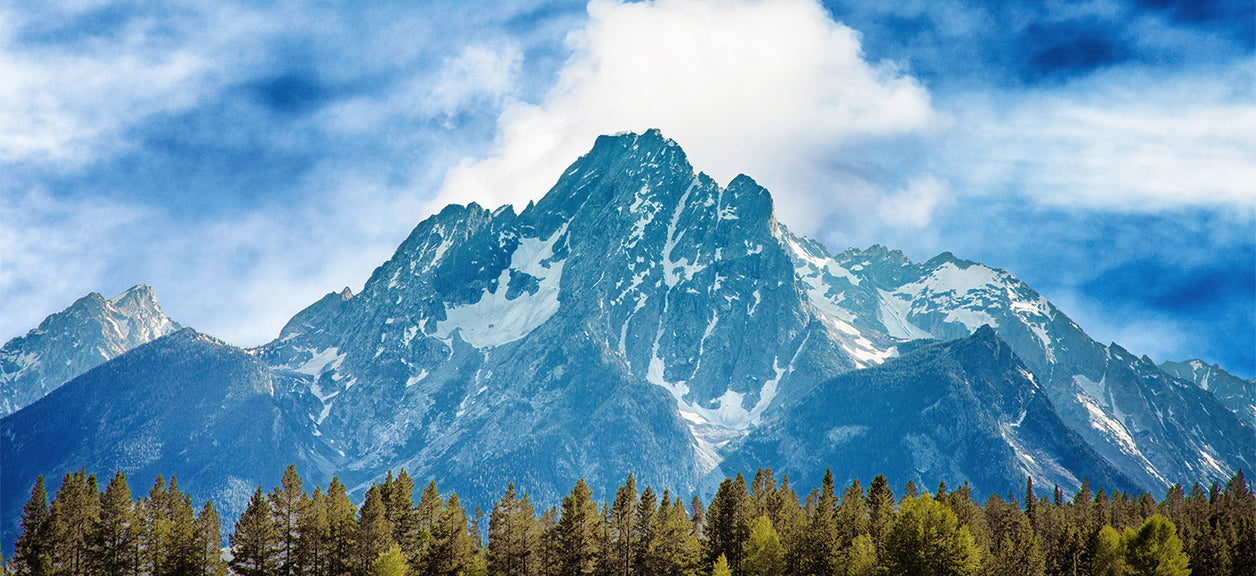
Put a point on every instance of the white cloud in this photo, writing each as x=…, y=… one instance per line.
x=753, y=87
x=1123, y=141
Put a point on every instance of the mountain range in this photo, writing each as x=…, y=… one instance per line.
x=638, y=318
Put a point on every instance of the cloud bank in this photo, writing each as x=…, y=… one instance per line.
x=745, y=87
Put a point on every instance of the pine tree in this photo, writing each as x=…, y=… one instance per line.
x=620, y=527
x=926, y=539
x=880, y=512
x=427, y=514
x=577, y=533
x=342, y=528
x=511, y=535
x=32, y=555
x=674, y=548
x=314, y=544
x=721, y=568
x=852, y=513
x=374, y=535
x=1109, y=553
x=74, y=510
x=764, y=554
x=289, y=505
x=1155, y=550
x=113, y=536
x=255, y=541
x=644, y=525
x=728, y=523
x=453, y=550
x=155, y=539
x=405, y=516
x=823, y=540
x=762, y=492
x=185, y=552
x=391, y=562
x=209, y=527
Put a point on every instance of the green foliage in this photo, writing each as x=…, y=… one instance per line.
x=764, y=554
x=1155, y=550
x=391, y=562
x=721, y=567
x=757, y=532
x=927, y=540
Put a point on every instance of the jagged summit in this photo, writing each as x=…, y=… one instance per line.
x=71, y=342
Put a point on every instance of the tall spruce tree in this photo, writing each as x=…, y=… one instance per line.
x=208, y=527
x=728, y=523
x=374, y=535
x=620, y=528
x=577, y=533
x=32, y=554
x=511, y=536
x=114, y=535
x=342, y=530
x=880, y=512
x=74, y=510
x=289, y=505
x=453, y=550
x=255, y=541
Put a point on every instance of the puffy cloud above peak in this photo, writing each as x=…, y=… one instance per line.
x=745, y=87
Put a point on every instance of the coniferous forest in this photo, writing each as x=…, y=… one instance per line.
x=759, y=529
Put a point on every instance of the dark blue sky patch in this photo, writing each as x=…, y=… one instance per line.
x=110, y=21
x=1068, y=49
x=291, y=92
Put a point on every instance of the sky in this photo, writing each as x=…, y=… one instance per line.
x=245, y=158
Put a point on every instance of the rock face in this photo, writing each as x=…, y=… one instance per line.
x=185, y=405
x=963, y=410
x=75, y=340
x=640, y=318
x=1235, y=393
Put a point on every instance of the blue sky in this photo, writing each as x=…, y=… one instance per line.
x=244, y=158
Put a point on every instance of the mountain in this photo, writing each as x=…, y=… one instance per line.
x=1154, y=429
x=962, y=410
x=185, y=405
x=75, y=340
x=638, y=318
x=1237, y=394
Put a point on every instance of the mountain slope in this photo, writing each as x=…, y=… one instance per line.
x=1235, y=393
x=75, y=340
x=184, y=405
x=963, y=410
x=1155, y=431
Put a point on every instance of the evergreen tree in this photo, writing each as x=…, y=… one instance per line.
x=620, y=527
x=674, y=549
x=512, y=536
x=720, y=568
x=185, y=552
x=113, y=536
x=860, y=558
x=645, y=518
x=32, y=554
x=728, y=523
x=697, y=515
x=341, y=530
x=1109, y=553
x=764, y=554
x=926, y=539
x=823, y=541
x=405, y=516
x=289, y=505
x=1155, y=550
x=453, y=551
x=427, y=514
x=209, y=561
x=74, y=511
x=762, y=494
x=577, y=533
x=255, y=542
x=880, y=512
x=852, y=514
x=391, y=563
x=314, y=528
x=374, y=534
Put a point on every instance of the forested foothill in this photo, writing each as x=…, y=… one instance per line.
x=760, y=529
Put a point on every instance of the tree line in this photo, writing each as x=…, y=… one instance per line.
x=760, y=529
